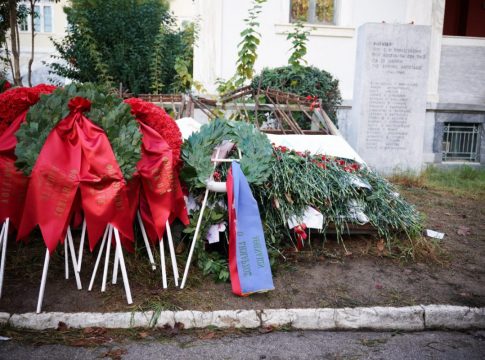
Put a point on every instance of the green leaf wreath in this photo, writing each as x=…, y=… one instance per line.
x=257, y=152
x=107, y=111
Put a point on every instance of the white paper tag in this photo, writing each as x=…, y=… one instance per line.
x=213, y=233
x=190, y=203
x=313, y=219
x=359, y=183
x=434, y=234
x=356, y=213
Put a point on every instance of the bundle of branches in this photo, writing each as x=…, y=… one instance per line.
x=342, y=190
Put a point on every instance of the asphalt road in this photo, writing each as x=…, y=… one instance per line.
x=276, y=345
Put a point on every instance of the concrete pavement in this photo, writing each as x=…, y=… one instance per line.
x=276, y=345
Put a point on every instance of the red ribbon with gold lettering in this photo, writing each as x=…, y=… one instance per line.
x=157, y=178
x=54, y=182
x=13, y=184
x=76, y=154
x=160, y=193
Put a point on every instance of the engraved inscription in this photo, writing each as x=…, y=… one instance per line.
x=394, y=70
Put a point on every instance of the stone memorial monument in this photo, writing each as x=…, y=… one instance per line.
x=389, y=103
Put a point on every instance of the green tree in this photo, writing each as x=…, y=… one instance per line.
x=248, y=46
x=298, y=38
x=116, y=41
x=13, y=12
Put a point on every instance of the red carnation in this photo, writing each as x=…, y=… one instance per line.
x=15, y=101
x=158, y=119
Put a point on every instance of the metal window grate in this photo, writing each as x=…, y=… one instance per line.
x=461, y=142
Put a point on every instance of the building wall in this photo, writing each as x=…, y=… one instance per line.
x=184, y=10
x=331, y=48
x=462, y=71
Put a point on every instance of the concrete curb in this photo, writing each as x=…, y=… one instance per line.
x=408, y=318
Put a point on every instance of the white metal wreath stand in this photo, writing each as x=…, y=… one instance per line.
x=68, y=243
x=81, y=246
x=162, y=253
x=3, y=245
x=211, y=186
x=119, y=261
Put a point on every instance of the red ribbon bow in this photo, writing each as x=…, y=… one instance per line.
x=300, y=231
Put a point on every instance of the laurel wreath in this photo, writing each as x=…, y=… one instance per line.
x=257, y=152
x=107, y=111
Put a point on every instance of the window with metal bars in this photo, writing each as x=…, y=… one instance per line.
x=461, y=142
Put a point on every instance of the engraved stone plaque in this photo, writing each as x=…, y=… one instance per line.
x=389, y=104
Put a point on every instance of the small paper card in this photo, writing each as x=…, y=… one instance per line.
x=312, y=218
x=435, y=234
x=213, y=233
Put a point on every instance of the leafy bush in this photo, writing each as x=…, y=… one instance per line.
x=116, y=41
x=304, y=81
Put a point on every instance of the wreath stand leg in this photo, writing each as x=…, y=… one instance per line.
x=42, y=282
x=162, y=264
x=115, y=268
x=68, y=245
x=81, y=246
x=73, y=258
x=172, y=255
x=145, y=239
x=3, y=243
x=119, y=261
x=66, y=259
x=192, y=246
x=98, y=259
x=123, y=267
x=106, y=260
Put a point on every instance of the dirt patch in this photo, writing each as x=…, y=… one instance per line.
x=324, y=277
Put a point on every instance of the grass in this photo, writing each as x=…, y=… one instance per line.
x=463, y=180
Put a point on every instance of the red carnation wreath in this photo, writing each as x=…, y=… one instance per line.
x=154, y=203
x=15, y=101
x=158, y=119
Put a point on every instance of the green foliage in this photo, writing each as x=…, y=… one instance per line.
x=304, y=81
x=248, y=46
x=4, y=20
x=226, y=86
x=172, y=59
x=197, y=151
x=112, y=42
x=298, y=38
x=184, y=62
x=107, y=111
x=21, y=13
